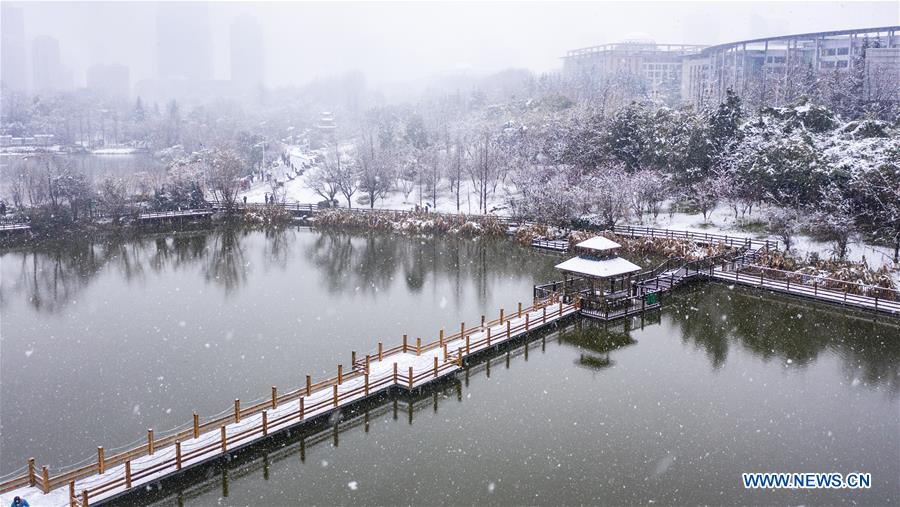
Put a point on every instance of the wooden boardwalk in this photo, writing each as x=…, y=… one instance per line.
x=551, y=244
x=704, y=238
x=407, y=366
x=169, y=215
x=9, y=229
x=882, y=301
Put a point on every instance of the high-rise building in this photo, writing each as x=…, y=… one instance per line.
x=654, y=66
x=247, y=53
x=183, y=41
x=13, y=74
x=765, y=68
x=110, y=79
x=46, y=66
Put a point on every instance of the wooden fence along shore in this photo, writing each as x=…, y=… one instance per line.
x=407, y=366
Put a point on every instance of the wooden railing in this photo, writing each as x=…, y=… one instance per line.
x=312, y=400
x=878, y=299
x=697, y=237
x=551, y=244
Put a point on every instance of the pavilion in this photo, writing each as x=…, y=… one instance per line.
x=597, y=274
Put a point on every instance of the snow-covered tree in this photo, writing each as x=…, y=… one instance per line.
x=224, y=169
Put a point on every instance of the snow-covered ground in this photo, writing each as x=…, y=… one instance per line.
x=722, y=221
x=117, y=151
x=296, y=191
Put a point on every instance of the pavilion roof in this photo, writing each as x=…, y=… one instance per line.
x=588, y=266
x=598, y=244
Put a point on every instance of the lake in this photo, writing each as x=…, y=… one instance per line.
x=104, y=340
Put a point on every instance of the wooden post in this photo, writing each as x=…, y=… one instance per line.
x=334, y=392
x=150, y=441
x=366, y=380
x=395, y=373
x=410, y=378
x=308, y=385
x=31, y=474
x=84, y=498
x=462, y=326
x=544, y=316
x=482, y=321
x=352, y=360
x=441, y=338
x=196, y=425
x=265, y=422
x=274, y=397
x=526, y=321
x=340, y=374
x=128, y=474
x=501, y=315
x=435, y=367
x=404, y=343
x=72, y=499
x=224, y=439
x=508, y=331
x=178, y=454
x=380, y=351
x=560, y=307
x=488, y=337
x=237, y=410
x=459, y=357
x=815, y=287
x=445, y=352
x=468, y=349
x=418, y=346
x=101, y=463
x=520, y=309
x=302, y=408
x=45, y=479
x=368, y=360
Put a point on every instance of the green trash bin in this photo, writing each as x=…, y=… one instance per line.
x=652, y=298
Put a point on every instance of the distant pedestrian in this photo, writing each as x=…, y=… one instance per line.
x=267, y=198
x=245, y=200
x=19, y=502
x=2, y=208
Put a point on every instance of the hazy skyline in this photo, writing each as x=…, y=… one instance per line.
x=394, y=42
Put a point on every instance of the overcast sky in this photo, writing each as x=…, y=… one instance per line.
x=393, y=42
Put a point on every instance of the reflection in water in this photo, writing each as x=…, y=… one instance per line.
x=793, y=331
x=225, y=264
x=596, y=341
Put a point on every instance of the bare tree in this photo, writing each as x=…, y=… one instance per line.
x=456, y=167
x=375, y=175
x=346, y=177
x=223, y=172
x=484, y=168
x=324, y=180
x=608, y=193
x=114, y=197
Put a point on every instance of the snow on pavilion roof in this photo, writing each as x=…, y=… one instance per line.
x=598, y=268
x=598, y=243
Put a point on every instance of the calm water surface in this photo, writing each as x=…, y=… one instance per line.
x=106, y=340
